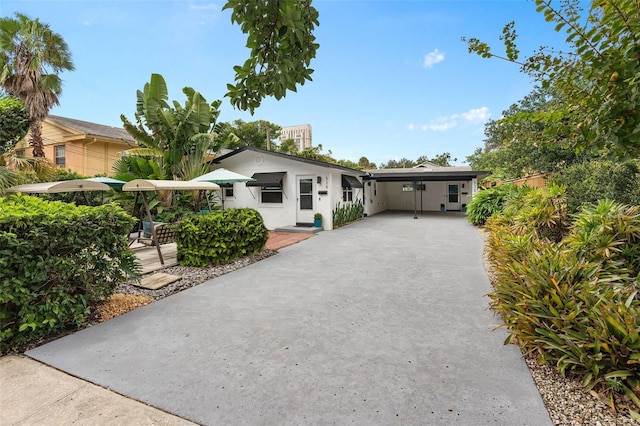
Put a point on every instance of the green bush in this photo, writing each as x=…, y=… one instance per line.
x=347, y=213
x=488, y=202
x=220, y=236
x=589, y=182
x=572, y=302
x=56, y=260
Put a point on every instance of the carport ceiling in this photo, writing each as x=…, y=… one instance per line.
x=429, y=176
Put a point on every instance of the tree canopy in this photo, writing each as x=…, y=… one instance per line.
x=31, y=57
x=281, y=43
x=597, y=79
x=177, y=136
x=519, y=144
x=14, y=123
x=253, y=133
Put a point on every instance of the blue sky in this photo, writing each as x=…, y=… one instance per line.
x=392, y=78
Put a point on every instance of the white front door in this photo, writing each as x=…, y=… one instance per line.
x=305, y=210
x=453, y=196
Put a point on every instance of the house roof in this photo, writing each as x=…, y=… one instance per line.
x=92, y=129
x=288, y=157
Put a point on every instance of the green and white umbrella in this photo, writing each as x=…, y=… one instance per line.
x=222, y=176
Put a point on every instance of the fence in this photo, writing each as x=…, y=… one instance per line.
x=536, y=181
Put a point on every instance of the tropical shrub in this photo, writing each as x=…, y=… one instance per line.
x=488, y=202
x=56, y=260
x=572, y=302
x=220, y=236
x=347, y=213
x=589, y=182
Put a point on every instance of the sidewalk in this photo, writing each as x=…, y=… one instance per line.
x=32, y=393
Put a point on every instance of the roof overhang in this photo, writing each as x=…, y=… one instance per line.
x=76, y=185
x=170, y=185
x=426, y=176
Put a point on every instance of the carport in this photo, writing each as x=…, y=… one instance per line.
x=421, y=189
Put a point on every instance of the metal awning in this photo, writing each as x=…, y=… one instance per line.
x=76, y=185
x=168, y=185
x=267, y=179
x=351, y=182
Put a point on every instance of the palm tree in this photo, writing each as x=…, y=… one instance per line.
x=31, y=56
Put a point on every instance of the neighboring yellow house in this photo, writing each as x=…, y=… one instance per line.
x=86, y=148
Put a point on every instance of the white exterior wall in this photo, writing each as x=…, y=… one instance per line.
x=375, y=197
x=280, y=215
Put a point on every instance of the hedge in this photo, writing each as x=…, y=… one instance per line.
x=56, y=260
x=220, y=236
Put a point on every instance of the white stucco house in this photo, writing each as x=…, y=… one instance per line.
x=289, y=191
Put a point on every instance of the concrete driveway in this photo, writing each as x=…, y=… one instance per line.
x=382, y=322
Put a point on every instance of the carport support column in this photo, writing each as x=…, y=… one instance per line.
x=415, y=200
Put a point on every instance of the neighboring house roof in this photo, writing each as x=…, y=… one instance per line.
x=288, y=157
x=419, y=174
x=92, y=129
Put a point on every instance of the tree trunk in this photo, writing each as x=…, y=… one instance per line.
x=36, y=139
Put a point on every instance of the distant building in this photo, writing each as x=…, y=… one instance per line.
x=300, y=134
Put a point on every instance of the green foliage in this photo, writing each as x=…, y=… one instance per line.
x=254, y=133
x=347, y=213
x=488, y=202
x=591, y=181
x=597, y=77
x=280, y=38
x=14, y=123
x=31, y=57
x=572, y=302
x=56, y=260
x=175, y=137
x=218, y=237
x=521, y=143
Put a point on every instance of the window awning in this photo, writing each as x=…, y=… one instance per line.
x=351, y=182
x=267, y=179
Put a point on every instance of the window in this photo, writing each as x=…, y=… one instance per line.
x=60, y=156
x=20, y=153
x=407, y=187
x=228, y=190
x=422, y=187
x=271, y=195
x=347, y=194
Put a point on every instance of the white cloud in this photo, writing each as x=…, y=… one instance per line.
x=477, y=115
x=432, y=58
x=442, y=124
x=410, y=127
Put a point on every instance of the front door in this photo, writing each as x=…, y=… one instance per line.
x=305, y=210
x=453, y=196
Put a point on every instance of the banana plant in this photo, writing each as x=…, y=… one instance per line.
x=175, y=136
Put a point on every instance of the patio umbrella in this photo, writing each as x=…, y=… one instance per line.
x=222, y=176
x=108, y=181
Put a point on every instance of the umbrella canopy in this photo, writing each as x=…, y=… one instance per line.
x=108, y=181
x=76, y=185
x=154, y=185
x=222, y=176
